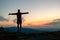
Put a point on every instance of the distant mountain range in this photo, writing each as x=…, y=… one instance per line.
x=30, y=30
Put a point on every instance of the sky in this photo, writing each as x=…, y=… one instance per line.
x=41, y=12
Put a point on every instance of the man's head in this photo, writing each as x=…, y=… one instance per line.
x=18, y=10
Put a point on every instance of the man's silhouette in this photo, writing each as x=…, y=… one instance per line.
x=19, y=18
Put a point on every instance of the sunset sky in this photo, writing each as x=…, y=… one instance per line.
x=40, y=12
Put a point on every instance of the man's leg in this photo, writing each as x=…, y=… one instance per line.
x=18, y=27
x=20, y=24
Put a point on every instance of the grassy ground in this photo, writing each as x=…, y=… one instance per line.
x=32, y=36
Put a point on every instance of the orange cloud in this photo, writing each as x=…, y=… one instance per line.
x=7, y=23
x=30, y=23
x=39, y=23
x=36, y=23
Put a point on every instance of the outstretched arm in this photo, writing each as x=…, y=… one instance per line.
x=26, y=13
x=12, y=14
